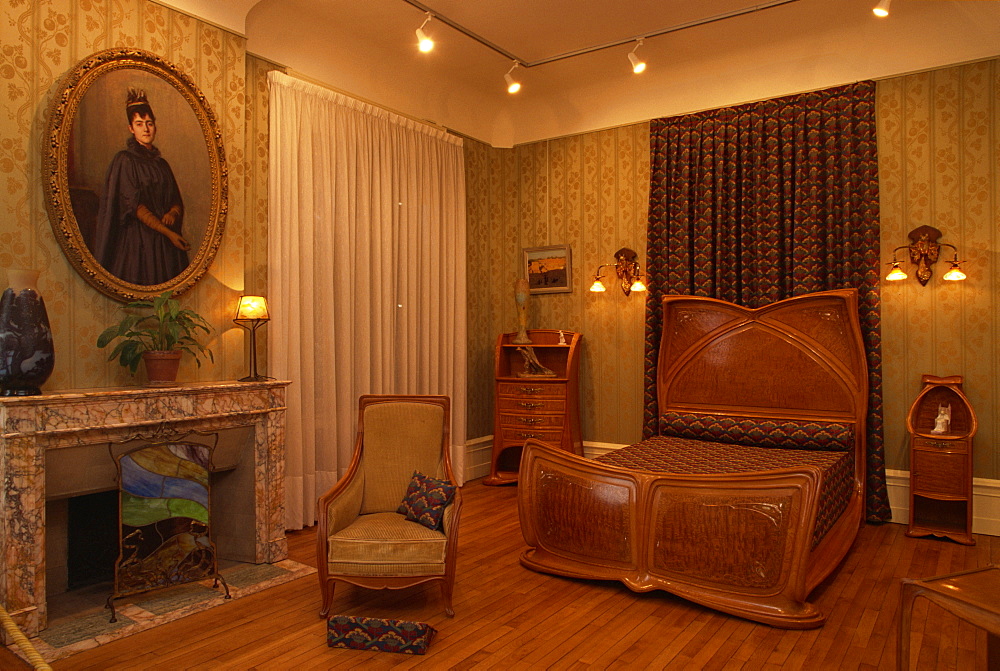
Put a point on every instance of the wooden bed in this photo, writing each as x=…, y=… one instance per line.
x=754, y=490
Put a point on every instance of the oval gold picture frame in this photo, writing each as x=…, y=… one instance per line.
x=88, y=126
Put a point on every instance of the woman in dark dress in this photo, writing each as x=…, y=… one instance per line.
x=139, y=223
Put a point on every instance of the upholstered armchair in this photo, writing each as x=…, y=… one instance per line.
x=361, y=537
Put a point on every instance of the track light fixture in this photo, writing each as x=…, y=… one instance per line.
x=881, y=10
x=638, y=65
x=513, y=86
x=424, y=42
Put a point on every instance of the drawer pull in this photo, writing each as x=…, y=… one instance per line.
x=522, y=434
x=928, y=443
x=530, y=406
x=530, y=420
x=532, y=390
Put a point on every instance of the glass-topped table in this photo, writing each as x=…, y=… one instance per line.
x=972, y=595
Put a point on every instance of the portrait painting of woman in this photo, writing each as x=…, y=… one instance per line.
x=138, y=234
x=136, y=178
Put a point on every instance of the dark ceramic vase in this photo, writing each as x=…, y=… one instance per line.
x=26, y=352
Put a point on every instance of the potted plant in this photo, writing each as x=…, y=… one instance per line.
x=160, y=336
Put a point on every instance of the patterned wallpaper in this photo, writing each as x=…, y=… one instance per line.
x=587, y=191
x=939, y=165
x=257, y=140
x=41, y=41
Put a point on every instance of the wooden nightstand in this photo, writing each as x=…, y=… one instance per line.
x=546, y=408
x=941, y=461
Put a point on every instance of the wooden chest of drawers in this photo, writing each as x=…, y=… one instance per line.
x=528, y=406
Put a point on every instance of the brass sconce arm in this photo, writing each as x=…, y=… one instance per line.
x=598, y=285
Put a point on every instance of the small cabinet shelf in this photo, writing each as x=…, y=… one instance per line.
x=528, y=406
x=941, y=461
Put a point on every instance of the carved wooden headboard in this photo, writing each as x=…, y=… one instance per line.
x=802, y=358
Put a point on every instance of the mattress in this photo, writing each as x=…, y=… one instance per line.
x=684, y=456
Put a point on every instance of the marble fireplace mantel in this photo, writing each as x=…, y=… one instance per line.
x=34, y=428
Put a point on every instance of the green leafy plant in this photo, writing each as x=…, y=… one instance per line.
x=167, y=327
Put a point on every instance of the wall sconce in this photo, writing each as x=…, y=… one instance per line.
x=627, y=268
x=250, y=314
x=924, y=250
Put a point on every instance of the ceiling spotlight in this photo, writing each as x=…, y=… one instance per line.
x=638, y=65
x=881, y=10
x=513, y=86
x=424, y=42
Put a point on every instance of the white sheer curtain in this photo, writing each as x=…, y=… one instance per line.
x=366, y=273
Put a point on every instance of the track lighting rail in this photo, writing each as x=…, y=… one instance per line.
x=599, y=47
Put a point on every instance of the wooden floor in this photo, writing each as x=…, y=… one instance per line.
x=509, y=617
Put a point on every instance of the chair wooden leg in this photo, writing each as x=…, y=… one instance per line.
x=447, y=588
x=327, y=587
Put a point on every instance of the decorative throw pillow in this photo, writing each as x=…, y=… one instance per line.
x=371, y=633
x=426, y=499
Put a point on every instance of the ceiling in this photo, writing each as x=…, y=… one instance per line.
x=367, y=48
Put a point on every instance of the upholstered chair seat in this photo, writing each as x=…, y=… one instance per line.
x=387, y=544
x=363, y=538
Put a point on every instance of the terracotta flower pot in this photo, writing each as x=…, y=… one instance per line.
x=161, y=367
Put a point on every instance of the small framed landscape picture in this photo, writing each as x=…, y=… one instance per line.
x=548, y=269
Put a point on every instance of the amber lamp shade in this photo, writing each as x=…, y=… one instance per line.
x=252, y=307
x=954, y=274
x=250, y=314
x=896, y=273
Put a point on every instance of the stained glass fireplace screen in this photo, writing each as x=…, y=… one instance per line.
x=164, y=530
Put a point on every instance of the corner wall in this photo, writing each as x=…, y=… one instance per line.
x=590, y=192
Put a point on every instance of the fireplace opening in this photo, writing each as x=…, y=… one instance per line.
x=92, y=535
x=82, y=517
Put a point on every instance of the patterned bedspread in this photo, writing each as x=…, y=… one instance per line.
x=667, y=454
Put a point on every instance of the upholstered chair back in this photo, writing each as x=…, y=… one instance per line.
x=399, y=438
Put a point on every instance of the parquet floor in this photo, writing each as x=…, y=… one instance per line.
x=510, y=618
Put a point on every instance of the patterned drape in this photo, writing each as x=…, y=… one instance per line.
x=760, y=202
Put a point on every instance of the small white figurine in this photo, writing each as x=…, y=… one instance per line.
x=562, y=338
x=942, y=423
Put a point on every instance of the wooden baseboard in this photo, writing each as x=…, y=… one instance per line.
x=477, y=457
x=478, y=453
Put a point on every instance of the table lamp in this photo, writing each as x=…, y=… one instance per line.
x=250, y=314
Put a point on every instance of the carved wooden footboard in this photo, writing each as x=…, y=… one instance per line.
x=740, y=542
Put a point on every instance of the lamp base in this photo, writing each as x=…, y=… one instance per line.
x=255, y=378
